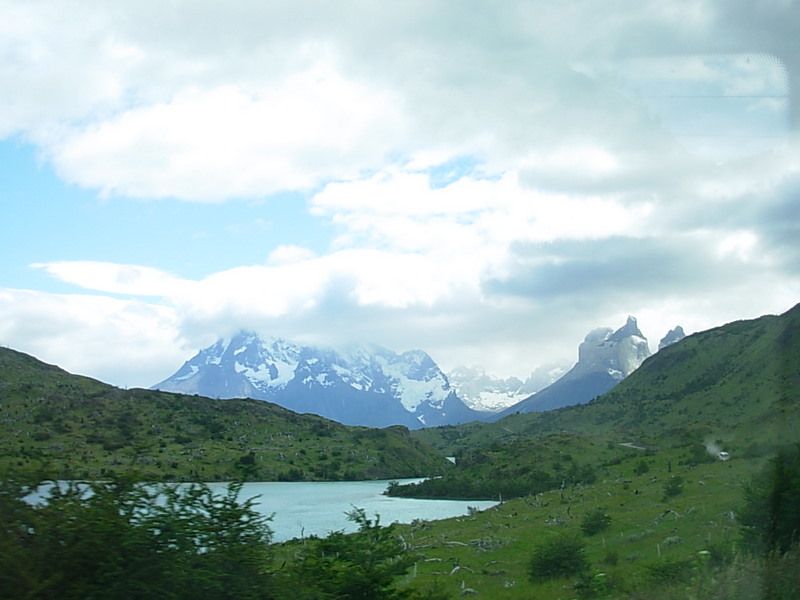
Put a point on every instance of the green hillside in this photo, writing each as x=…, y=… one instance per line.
x=628, y=479
x=66, y=426
x=739, y=383
x=735, y=387
x=652, y=528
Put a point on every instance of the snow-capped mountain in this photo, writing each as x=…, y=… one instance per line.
x=605, y=357
x=354, y=384
x=673, y=335
x=487, y=393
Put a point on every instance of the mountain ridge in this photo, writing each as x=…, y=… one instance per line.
x=355, y=384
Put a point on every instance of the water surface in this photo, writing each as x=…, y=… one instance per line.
x=317, y=508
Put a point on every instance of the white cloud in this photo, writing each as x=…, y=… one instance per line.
x=496, y=188
x=288, y=254
x=206, y=104
x=214, y=144
x=123, y=342
x=114, y=278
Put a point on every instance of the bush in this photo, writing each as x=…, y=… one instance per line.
x=561, y=556
x=595, y=522
x=673, y=487
x=668, y=570
x=781, y=578
x=588, y=587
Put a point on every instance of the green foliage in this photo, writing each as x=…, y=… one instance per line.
x=593, y=586
x=122, y=540
x=558, y=556
x=668, y=570
x=771, y=514
x=72, y=427
x=781, y=575
x=642, y=467
x=595, y=522
x=514, y=469
x=673, y=487
x=363, y=565
x=697, y=454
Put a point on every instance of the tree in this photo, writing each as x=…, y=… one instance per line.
x=120, y=539
x=357, y=566
x=595, y=522
x=672, y=488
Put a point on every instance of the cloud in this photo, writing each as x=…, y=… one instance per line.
x=288, y=254
x=124, y=342
x=204, y=104
x=115, y=278
x=219, y=143
x=622, y=270
x=499, y=180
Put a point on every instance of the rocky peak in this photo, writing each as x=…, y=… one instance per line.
x=618, y=352
x=673, y=335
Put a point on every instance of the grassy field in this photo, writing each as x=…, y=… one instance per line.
x=651, y=543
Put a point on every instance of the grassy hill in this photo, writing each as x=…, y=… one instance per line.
x=67, y=426
x=739, y=383
x=655, y=546
x=636, y=457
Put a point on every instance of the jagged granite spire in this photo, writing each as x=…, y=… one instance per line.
x=673, y=335
x=605, y=357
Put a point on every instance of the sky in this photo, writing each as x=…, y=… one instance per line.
x=484, y=181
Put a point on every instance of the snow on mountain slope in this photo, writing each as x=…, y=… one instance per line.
x=353, y=384
x=487, y=393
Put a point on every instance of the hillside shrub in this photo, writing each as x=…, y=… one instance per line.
x=595, y=522
x=121, y=540
x=669, y=570
x=672, y=488
x=589, y=587
x=781, y=576
x=558, y=556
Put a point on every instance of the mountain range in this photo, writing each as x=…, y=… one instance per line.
x=355, y=384
x=366, y=384
x=735, y=385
